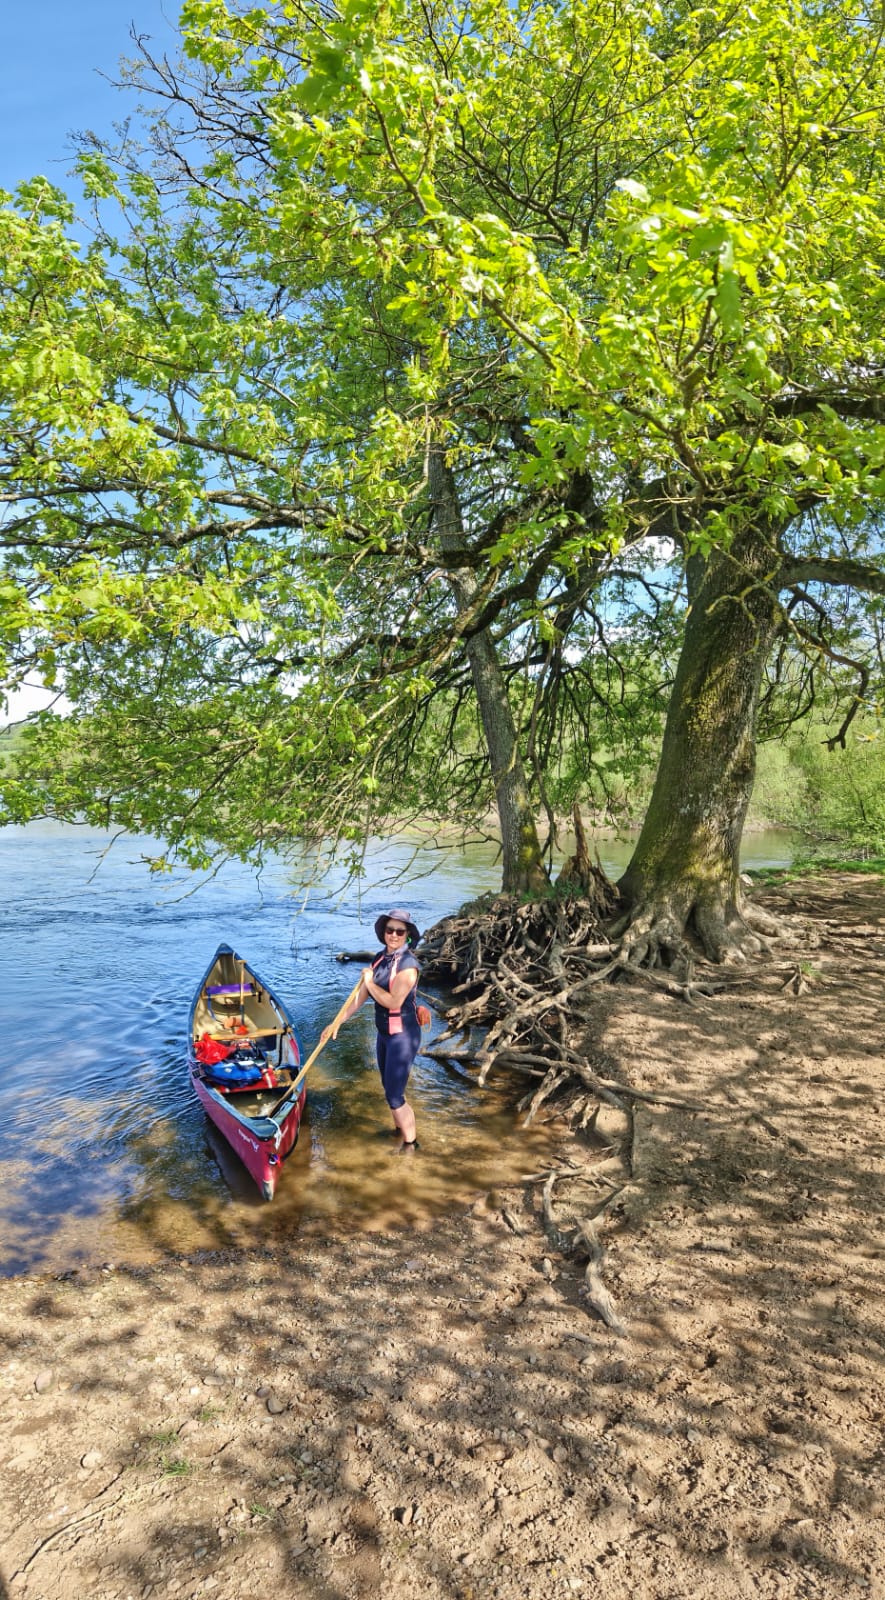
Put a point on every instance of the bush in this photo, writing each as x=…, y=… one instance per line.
x=835, y=797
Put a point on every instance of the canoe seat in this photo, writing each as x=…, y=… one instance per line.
x=234, y=990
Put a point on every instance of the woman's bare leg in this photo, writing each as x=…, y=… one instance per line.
x=404, y=1117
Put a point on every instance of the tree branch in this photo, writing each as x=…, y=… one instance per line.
x=842, y=570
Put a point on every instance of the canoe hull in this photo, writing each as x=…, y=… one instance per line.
x=248, y=1009
x=262, y=1157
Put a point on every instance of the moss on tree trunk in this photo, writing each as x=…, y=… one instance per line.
x=684, y=876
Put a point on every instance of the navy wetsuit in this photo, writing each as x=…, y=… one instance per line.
x=396, y=1051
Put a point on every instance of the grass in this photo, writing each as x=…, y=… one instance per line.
x=170, y=1464
x=810, y=866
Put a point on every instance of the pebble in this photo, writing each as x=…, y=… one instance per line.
x=91, y=1460
x=44, y=1380
x=547, y=1268
x=275, y=1405
x=467, y=1559
x=214, y=1380
x=489, y=1450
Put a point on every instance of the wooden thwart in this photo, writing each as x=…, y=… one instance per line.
x=251, y=1033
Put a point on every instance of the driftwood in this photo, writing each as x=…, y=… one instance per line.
x=579, y=874
x=595, y=1292
x=584, y=1237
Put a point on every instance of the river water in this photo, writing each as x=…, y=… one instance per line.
x=106, y=1155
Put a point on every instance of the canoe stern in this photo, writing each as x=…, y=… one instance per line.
x=262, y=1144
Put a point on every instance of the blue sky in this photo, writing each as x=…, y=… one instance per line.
x=50, y=51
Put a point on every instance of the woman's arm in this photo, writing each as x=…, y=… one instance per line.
x=393, y=997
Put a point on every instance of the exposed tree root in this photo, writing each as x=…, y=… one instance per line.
x=520, y=976
x=763, y=922
x=666, y=932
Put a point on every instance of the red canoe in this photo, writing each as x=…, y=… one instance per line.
x=245, y=1065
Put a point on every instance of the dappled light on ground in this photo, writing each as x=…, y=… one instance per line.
x=439, y=1414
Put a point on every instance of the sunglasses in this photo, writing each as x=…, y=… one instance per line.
x=389, y=929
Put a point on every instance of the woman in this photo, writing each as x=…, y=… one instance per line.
x=392, y=981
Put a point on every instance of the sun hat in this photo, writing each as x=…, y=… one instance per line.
x=399, y=915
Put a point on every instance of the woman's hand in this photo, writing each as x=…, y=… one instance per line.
x=327, y=1034
x=368, y=975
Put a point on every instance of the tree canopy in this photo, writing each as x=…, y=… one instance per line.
x=616, y=270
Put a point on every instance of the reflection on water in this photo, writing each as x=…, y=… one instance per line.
x=104, y=1151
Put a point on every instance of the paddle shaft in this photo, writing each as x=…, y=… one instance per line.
x=323, y=1042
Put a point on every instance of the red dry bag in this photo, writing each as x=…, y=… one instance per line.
x=209, y=1050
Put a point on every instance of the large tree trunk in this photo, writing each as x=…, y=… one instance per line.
x=523, y=866
x=684, y=876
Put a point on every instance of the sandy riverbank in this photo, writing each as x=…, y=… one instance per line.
x=440, y=1414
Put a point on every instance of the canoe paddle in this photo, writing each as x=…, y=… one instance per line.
x=323, y=1042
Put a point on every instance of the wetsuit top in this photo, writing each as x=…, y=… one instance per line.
x=405, y=962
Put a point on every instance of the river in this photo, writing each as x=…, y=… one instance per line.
x=105, y=1154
